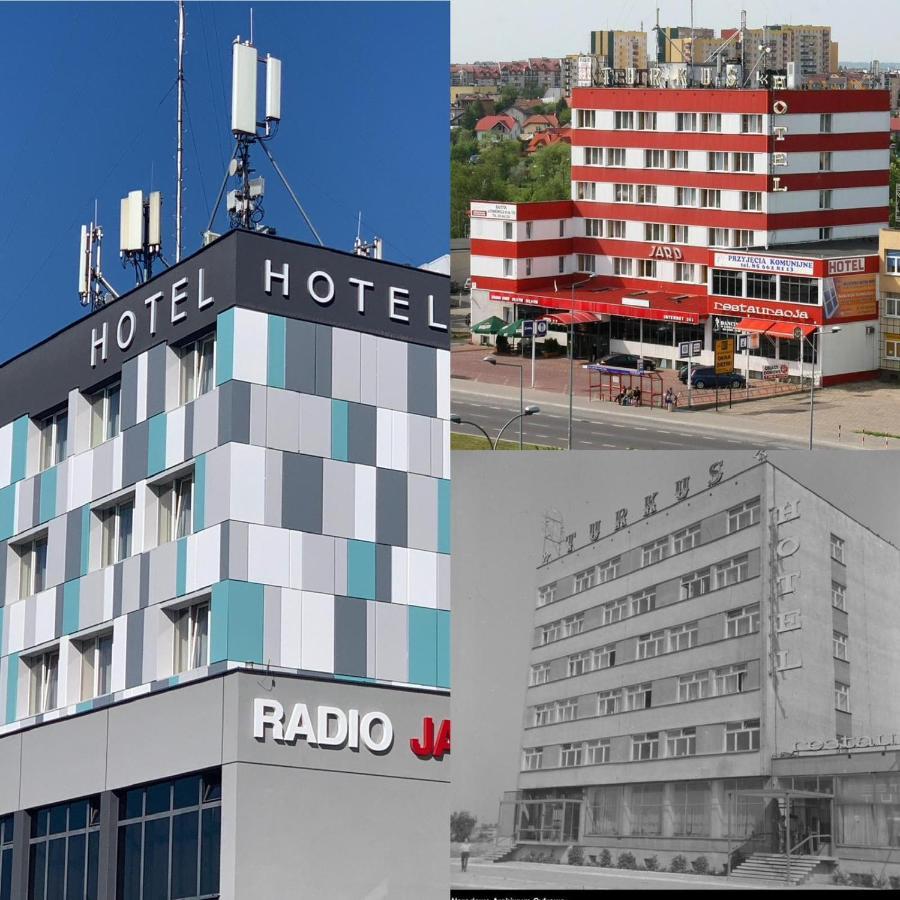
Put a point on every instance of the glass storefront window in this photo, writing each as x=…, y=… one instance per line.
x=690, y=808
x=6, y=854
x=867, y=810
x=604, y=809
x=646, y=808
x=64, y=851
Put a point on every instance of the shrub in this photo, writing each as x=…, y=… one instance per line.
x=576, y=856
x=679, y=864
x=651, y=864
x=626, y=860
x=700, y=865
x=552, y=347
x=880, y=882
x=604, y=859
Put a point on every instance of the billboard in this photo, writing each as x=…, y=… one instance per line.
x=850, y=297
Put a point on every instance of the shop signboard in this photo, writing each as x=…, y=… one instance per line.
x=775, y=371
x=850, y=297
x=786, y=265
x=724, y=356
x=504, y=211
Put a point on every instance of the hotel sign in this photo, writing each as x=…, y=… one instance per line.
x=847, y=266
x=784, y=264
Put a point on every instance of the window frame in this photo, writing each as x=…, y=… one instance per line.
x=32, y=577
x=43, y=682
x=53, y=448
x=191, y=643
x=735, y=617
x=735, y=731
x=115, y=544
x=645, y=746
x=100, y=671
x=106, y=413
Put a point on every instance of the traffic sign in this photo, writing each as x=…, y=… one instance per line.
x=724, y=356
x=743, y=342
x=541, y=326
x=687, y=349
x=528, y=328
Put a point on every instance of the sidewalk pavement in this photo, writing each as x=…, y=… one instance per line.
x=841, y=413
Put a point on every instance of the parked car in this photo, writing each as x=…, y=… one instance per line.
x=705, y=376
x=628, y=361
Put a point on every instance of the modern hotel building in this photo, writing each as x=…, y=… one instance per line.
x=224, y=576
x=701, y=212
x=715, y=661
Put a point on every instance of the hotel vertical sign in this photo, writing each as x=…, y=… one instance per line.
x=786, y=616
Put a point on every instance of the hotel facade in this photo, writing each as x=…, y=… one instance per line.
x=698, y=213
x=714, y=654
x=224, y=585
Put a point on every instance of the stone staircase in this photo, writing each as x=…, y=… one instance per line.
x=501, y=853
x=772, y=868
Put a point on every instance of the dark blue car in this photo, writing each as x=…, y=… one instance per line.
x=705, y=377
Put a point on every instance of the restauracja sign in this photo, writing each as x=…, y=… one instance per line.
x=331, y=726
x=862, y=742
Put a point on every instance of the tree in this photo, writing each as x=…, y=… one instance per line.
x=509, y=93
x=462, y=824
x=532, y=90
x=549, y=174
x=473, y=113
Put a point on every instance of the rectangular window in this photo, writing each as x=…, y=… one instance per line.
x=508, y=268
x=685, y=196
x=586, y=118
x=191, y=637
x=751, y=124
x=579, y=663
x=623, y=193
x=169, y=838
x=198, y=366
x=742, y=621
x=686, y=538
x=539, y=674
x=742, y=237
x=543, y=715
x=603, y=657
x=615, y=156
x=729, y=680
x=717, y=161
x=751, y=201
x=837, y=548
x=690, y=808
x=647, y=805
x=727, y=282
x=586, y=190
x=654, y=159
x=742, y=162
x=891, y=302
x=892, y=264
x=550, y=633
x=655, y=231
x=621, y=265
x=528, y=263
x=561, y=265
x=615, y=228
x=645, y=746
x=593, y=227
x=105, y=413
x=642, y=602
x=64, y=851
x=646, y=193
x=710, y=199
x=732, y=571
x=7, y=834
x=176, y=502
x=533, y=759
x=678, y=159
x=839, y=641
x=96, y=666
x=684, y=272
x=682, y=637
x=694, y=584
x=609, y=569
x=762, y=285
x=570, y=755
x=597, y=752
x=117, y=524
x=508, y=230
x=608, y=702
x=573, y=625
x=718, y=237
x=711, y=122
x=615, y=611
x=743, y=515
x=825, y=161
x=838, y=596
x=652, y=644
x=546, y=594
x=32, y=566
x=825, y=199
x=565, y=710
x=681, y=742
x=646, y=121
x=654, y=552
x=624, y=120
x=529, y=229
x=638, y=696
x=825, y=234
x=825, y=123
x=742, y=736
x=842, y=696
x=646, y=268
x=562, y=227
x=587, y=262
x=585, y=579
x=44, y=682
x=54, y=437
x=679, y=234
x=686, y=122
x=694, y=686
x=796, y=289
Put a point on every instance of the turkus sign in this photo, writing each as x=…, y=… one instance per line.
x=323, y=726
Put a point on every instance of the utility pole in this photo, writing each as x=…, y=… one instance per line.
x=179, y=152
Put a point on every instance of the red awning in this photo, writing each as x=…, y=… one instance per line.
x=770, y=327
x=573, y=318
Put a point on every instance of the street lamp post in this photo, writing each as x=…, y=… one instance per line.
x=812, y=377
x=527, y=411
x=571, y=348
x=493, y=361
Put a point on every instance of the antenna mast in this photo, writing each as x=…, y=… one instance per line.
x=93, y=289
x=179, y=153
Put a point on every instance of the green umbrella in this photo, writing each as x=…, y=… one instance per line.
x=491, y=325
x=514, y=329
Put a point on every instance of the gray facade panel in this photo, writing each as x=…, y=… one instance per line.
x=383, y=569
x=134, y=657
x=188, y=430
x=300, y=356
x=422, y=382
x=234, y=412
x=362, y=433
x=350, y=636
x=73, y=546
x=128, y=395
x=301, y=493
x=134, y=453
x=323, y=361
x=156, y=379
x=391, y=508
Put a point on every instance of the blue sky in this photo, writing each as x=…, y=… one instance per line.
x=90, y=113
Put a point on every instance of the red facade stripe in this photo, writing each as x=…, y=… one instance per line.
x=640, y=249
x=534, y=212
x=521, y=249
x=861, y=140
x=675, y=215
x=822, y=180
x=819, y=218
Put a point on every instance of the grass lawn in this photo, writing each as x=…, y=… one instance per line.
x=478, y=442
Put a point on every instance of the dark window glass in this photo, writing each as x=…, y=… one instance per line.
x=159, y=798
x=788, y=349
x=212, y=787
x=93, y=863
x=688, y=333
x=766, y=347
x=58, y=819
x=186, y=792
x=37, y=870
x=129, y=867
x=209, y=850
x=6, y=839
x=727, y=283
x=156, y=859
x=799, y=290
x=56, y=868
x=76, y=867
x=185, y=838
x=78, y=815
x=761, y=285
x=132, y=804
x=40, y=821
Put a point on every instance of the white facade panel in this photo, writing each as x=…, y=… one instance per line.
x=423, y=578
x=841, y=198
x=5, y=454
x=841, y=122
x=488, y=266
x=365, y=503
x=400, y=575
x=317, y=632
x=268, y=555
x=855, y=348
x=251, y=335
x=291, y=628
x=248, y=483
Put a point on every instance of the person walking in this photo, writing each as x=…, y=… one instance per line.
x=464, y=850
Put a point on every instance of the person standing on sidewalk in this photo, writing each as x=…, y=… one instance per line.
x=464, y=850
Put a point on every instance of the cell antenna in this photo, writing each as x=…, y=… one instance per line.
x=372, y=249
x=140, y=232
x=93, y=289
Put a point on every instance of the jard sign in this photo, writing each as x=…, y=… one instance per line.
x=335, y=728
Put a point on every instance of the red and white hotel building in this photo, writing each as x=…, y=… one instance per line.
x=700, y=213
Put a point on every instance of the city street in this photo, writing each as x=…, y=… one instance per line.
x=606, y=428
